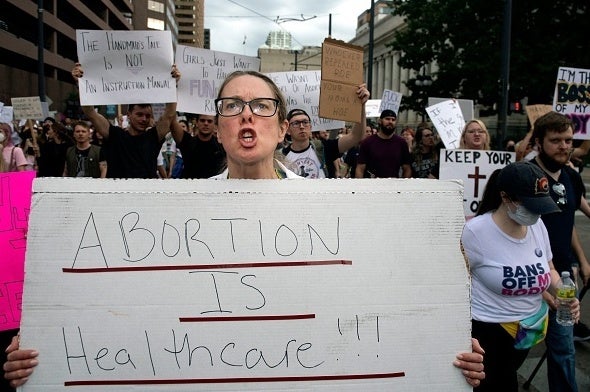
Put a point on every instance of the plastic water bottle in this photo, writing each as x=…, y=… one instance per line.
x=566, y=292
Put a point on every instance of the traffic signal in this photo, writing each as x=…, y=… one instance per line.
x=515, y=107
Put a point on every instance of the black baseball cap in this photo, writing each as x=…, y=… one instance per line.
x=295, y=112
x=388, y=113
x=528, y=184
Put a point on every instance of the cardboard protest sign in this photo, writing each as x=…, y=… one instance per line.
x=302, y=91
x=27, y=108
x=342, y=72
x=203, y=71
x=390, y=100
x=15, y=202
x=572, y=98
x=202, y=285
x=533, y=112
x=125, y=67
x=448, y=120
x=474, y=168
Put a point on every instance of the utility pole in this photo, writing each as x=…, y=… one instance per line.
x=40, y=47
x=371, y=33
x=505, y=75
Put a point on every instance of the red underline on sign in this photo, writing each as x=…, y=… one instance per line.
x=247, y=318
x=208, y=266
x=234, y=380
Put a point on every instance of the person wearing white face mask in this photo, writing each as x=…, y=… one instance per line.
x=13, y=158
x=510, y=259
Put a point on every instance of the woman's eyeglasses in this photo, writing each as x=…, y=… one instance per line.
x=263, y=107
x=474, y=131
x=559, y=190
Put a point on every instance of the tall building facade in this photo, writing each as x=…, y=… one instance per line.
x=386, y=72
x=190, y=19
x=279, y=40
x=19, y=41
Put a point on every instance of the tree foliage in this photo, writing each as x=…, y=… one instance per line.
x=464, y=38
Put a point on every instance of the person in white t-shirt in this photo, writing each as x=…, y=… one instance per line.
x=509, y=254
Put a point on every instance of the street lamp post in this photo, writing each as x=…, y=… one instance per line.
x=40, y=48
x=296, y=52
x=423, y=81
x=371, y=36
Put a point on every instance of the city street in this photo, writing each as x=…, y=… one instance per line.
x=539, y=382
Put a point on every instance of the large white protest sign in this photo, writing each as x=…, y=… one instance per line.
x=448, y=121
x=7, y=114
x=208, y=285
x=474, y=168
x=27, y=108
x=572, y=98
x=466, y=106
x=390, y=100
x=372, y=108
x=203, y=71
x=302, y=91
x=125, y=67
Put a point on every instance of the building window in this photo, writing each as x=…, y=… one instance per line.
x=155, y=24
x=156, y=6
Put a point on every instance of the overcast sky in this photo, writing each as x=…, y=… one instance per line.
x=241, y=26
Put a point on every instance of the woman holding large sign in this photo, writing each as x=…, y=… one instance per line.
x=251, y=122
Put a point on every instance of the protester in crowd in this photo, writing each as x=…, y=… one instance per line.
x=161, y=166
x=29, y=144
x=509, y=145
x=13, y=157
x=202, y=155
x=506, y=240
x=409, y=136
x=167, y=157
x=179, y=161
x=52, y=151
x=475, y=136
x=84, y=159
x=252, y=121
x=133, y=151
x=317, y=158
x=351, y=156
x=425, y=158
x=49, y=121
x=384, y=154
x=553, y=135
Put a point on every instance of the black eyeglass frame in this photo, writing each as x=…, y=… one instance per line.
x=243, y=103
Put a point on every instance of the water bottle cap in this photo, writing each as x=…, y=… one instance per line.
x=565, y=274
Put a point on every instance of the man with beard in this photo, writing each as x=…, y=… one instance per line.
x=553, y=134
x=384, y=155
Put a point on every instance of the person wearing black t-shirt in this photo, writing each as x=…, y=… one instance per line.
x=84, y=159
x=132, y=151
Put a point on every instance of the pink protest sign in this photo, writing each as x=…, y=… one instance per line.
x=15, y=203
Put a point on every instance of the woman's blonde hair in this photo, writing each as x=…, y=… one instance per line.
x=485, y=129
